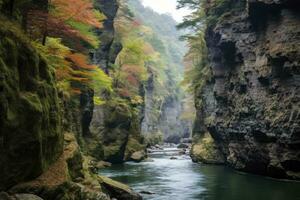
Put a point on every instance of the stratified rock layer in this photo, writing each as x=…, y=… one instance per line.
x=252, y=106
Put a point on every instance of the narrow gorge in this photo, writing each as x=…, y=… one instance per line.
x=149, y=99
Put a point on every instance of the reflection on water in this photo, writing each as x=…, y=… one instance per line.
x=183, y=180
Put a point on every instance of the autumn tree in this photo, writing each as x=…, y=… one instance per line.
x=73, y=20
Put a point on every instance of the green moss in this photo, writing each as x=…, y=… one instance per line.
x=32, y=102
x=209, y=120
x=117, y=114
x=205, y=150
x=97, y=151
x=112, y=150
x=114, y=184
x=30, y=113
x=133, y=145
x=121, y=136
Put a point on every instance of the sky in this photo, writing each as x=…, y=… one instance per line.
x=166, y=6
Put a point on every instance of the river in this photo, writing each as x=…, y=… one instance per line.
x=181, y=179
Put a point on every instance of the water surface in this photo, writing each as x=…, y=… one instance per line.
x=182, y=179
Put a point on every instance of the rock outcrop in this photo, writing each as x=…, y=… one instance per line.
x=251, y=107
x=47, y=150
x=106, y=54
x=31, y=136
x=121, y=135
x=70, y=178
x=115, y=125
x=118, y=190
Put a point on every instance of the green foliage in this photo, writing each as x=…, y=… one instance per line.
x=100, y=82
x=130, y=69
x=197, y=68
x=54, y=51
x=132, y=52
x=73, y=26
x=166, y=65
x=206, y=13
x=196, y=60
x=56, y=55
x=87, y=32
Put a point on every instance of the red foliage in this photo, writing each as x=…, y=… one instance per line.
x=41, y=23
x=136, y=23
x=123, y=92
x=82, y=71
x=78, y=10
x=132, y=80
x=80, y=61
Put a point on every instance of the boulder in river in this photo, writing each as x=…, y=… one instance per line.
x=158, y=147
x=146, y=192
x=138, y=156
x=102, y=164
x=119, y=190
x=174, y=158
x=182, y=152
x=182, y=146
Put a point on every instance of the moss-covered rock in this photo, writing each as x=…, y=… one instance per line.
x=121, y=136
x=138, y=156
x=31, y=138
x=206, y=151
x=135, y=151
x=119, y=190
x=69, y=178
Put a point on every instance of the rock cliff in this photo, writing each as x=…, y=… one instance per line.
x=251, y=106
x=31, y=136
x=115, y=125
x=46, y=147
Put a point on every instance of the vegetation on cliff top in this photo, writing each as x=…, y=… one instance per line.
x=205, y=15
x=63, y=33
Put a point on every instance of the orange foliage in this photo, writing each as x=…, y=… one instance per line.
x=64, y=72
x=133, y=69
x=80, y=61
x=76, y=91
x=82, y=71
x=78, y=10
x=56, y=22
x=132, y=80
